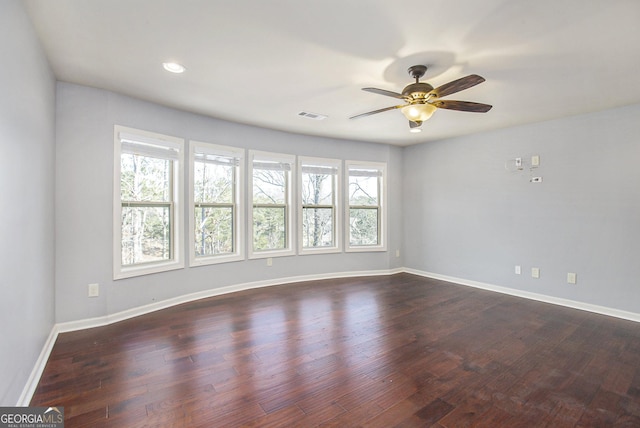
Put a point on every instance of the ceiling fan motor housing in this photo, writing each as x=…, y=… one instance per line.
x=417, y=91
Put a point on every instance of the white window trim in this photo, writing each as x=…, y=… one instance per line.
x=120, y=271
x=272, y=157
x=239, y=223
x=338, y=216
x=382, y=245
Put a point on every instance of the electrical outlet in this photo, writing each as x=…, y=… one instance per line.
x=572, y=278
x=269, y=261
x=397, y=253
x=536, y=180
x=535, y=272
x=518, y=270
x=94, y=290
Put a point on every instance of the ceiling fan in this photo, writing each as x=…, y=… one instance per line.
x=422, y=99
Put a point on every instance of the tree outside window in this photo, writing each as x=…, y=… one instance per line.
x=147, y=203
x=366, y=214
x=319, y=219
x=271, y=210
x=214, y=188
x=216, y=219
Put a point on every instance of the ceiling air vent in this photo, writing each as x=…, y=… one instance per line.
x=314, y=116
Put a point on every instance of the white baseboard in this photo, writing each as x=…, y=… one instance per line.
x=603, y=310
x=38, y=369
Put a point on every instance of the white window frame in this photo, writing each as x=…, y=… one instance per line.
x=290, y=160
x=195, y=148
x=381, y=171
x=163, y=142
x=336, y=166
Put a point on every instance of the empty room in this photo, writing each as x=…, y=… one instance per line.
x=338, y=213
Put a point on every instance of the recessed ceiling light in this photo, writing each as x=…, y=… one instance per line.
x=173, y=67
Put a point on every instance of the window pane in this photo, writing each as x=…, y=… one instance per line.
x=363, y=190
x=213, y=183
x=317, y=189
x=144, y=178
x=269, y=187
x=363, y=224
x=146, y=234
x=269, y=232
x=214, y=230
x=317, y=227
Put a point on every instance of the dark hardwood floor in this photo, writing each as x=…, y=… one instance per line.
x=387, y=351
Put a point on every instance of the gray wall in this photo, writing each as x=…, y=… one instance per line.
x=469, y=217
x=26, y=194
x=84, y=182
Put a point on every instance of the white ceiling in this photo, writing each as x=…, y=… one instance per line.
x=262, y=62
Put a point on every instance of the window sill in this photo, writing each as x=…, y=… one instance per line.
x=366, y=249
x=214, y=260
x=130, y=272
x=272, y=253
x=325, y=250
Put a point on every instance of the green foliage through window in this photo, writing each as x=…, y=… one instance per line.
x=270, y=206
x=213, y=193
x=318, y=207
x=146, y=196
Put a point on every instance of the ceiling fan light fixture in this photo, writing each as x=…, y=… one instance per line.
x=173, y=67
x=418, y=112
x=415, y=130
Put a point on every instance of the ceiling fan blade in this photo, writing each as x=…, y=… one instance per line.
x=457, y=85
x=462, y=106
x=385, y=92
x=376, y=111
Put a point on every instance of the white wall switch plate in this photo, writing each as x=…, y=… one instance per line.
x=269, y=261
x=518, y=269
x=535, y=272
x=572, y=278
x=535, y=160
x=536, y=180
